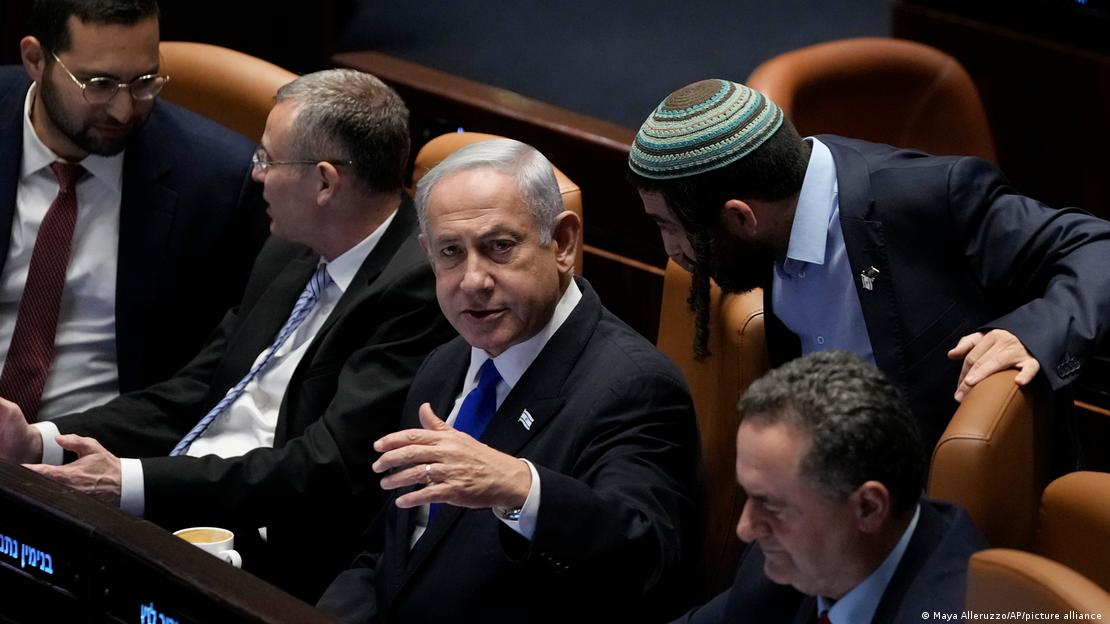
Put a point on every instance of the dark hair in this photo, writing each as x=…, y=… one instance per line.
x=344, y=110
x=49, y=17
x=773, y=171
x=860, y=426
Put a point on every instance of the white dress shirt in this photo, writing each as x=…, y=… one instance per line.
x=84, y=372
x=249, y=422
x=511, y=364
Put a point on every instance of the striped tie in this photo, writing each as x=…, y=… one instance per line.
x=308, y=298
x=31, y=350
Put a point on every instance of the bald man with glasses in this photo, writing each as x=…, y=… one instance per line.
x=132, y=223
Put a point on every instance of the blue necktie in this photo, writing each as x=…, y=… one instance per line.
x=477, y=410
x=480, y=404
x=305, y=302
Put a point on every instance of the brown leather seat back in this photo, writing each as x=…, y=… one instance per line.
x=993, y=459
x=739, y=357
x=1074, y=526
x=885, y=90
x=437, y=149
x=1000, y=580
x=233, y=89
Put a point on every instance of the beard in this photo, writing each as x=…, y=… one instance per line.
x=739, y=266
x=82, y=133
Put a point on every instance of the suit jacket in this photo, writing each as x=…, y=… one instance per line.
x=932, y=576
x=615, y=443
x=313, y=489
x=191, y=223
x=959, y=251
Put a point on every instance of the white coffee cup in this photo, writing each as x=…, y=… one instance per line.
x=213, y=540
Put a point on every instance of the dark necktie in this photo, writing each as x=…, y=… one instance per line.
x=477, y=410
x=305, y=302
x=480, y=404
x=823, y=618
x=32, y=347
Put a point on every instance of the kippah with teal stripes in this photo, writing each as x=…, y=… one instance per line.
x=701, y=127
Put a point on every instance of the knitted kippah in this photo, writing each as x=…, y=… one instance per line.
x=701, y=127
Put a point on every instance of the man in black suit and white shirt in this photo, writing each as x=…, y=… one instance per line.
x=582, y=488
x=270, y=426
x=832, y=464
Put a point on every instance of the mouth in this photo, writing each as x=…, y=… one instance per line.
x=483, y=315
x=112, y=131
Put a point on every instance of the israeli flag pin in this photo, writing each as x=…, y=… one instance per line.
x=867, y=278
x=526, y=420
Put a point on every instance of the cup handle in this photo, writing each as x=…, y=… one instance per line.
x=232, y=557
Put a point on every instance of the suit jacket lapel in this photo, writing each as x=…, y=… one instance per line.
x=866, y=246
x=928, y=533
x=11, y=155
x=147, y=210
x=262, y=323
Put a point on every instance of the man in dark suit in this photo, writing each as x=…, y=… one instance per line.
x=167, y=220
x=582, y=488
x=914, y=262
x=270, y=426
x=831, y=461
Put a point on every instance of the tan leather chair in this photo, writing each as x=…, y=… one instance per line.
x=437, y=149
x=1000, y=580
x=885, y=90
x=233, y=89
x=993, y=459
x=1074, y=524
x=738, y=357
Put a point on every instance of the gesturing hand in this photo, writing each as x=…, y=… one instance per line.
x=986, y=354
x=454, y=467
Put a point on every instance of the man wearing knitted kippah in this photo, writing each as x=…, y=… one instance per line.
x=933, y=268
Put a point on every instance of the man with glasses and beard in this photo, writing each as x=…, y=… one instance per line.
x=933, y=268
x=133, y=223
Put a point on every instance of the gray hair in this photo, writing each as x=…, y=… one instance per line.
x=532, y=172
x=344, y=114
x=860, y=426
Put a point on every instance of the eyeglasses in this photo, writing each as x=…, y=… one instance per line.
x=101, y=89
x=261, y=161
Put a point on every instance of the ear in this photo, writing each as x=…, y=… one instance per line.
x=328, y=182
x=871, y=503
x=33, y=56
x=739, y=219
x=568, y=229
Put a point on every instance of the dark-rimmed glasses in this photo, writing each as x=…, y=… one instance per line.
x=101, y=89
x=261, y=161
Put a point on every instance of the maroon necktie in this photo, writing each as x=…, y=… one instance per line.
x=824, y=618
x=32, y=347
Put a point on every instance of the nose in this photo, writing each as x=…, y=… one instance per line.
x=675, y=247
x=750, y=527
x=122, y=106
x=477, y=276
x=258, y=175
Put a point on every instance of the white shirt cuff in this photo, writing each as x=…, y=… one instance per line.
x=526, y=525
x=132, y=496
x=52, y=454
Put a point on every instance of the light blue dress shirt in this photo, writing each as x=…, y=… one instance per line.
x=813, y=290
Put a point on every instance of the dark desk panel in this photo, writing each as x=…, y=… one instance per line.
x=65, y=557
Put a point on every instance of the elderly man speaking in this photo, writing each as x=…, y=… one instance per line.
x=548, y=456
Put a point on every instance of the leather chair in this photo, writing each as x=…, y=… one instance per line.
x=233, y=89
x=1001, y=580
x=885, y=90
x=738, y=357
x=1074, y=524
x=993, y=458
x=437, y=149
